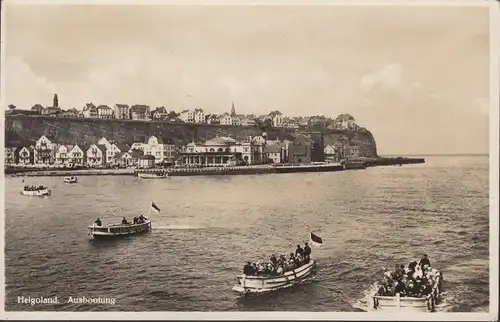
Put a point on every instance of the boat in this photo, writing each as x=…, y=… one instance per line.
x=39, y=191
x=399, y=303
x=143, y=225
x=152, y=175
x=70, y=179
x=257, y=283
x=118, y=230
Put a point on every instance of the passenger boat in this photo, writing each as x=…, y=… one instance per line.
x=39, y=191
x=152, y=175
x=407, y=303
x=70, y=179
x=256, y=283
x=117, y=230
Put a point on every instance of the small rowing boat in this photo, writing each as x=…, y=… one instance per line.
x=118, y=230
x=257, y=284
x=39, y=191
x=152, y=175
x=70, y=179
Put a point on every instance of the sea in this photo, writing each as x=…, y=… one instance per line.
x=209, y=226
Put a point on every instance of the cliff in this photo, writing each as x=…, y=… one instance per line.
x=25, y=130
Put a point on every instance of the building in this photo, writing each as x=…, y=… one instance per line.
x=299, y=150
x=96, y=155
x=89, y=111
x=345, y=122
x=199, y=116
x=26, y=155
x=159, y=114
x=122, y=111
x=226, y=119
x=105, y=112
x=140, y=112
x=162, y=149
x=353, y=151
x=128, y=159
x=329, y=150
x=276, y=118
x=212, y=119
x=146, y=161
x=248, y=121
x=76, y=155
x=273, y=153
x=45, y=151
x=38, y=109
x=71, y=113
x=63, y=154
x=187, y=116
x=10, y=155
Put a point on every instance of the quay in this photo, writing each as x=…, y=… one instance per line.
x=351, y=164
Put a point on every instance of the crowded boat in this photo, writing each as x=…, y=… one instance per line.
x=70, y=179
x=275, y=273
x=410, y=283
x=125, y=228
x=279, y=265
x=31, y=190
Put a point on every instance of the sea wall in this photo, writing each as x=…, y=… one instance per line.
x=25, y=130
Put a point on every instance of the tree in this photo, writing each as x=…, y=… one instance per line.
x=12, y=107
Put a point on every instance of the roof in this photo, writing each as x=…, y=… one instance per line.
x=161, y=109
x=198, y=110
x=37, y=107
x=139, y=108
x=272, y=149
x=122, y=105
x=89, y=106
x=101, y=147
x=225, y=114
x=275, y=113
x=148, y=157
x=103, y=107
x=220, y=140
x=123, y=147
x=136, y=153
x=344, y=117
x=186, y=111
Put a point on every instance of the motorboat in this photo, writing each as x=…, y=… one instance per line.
x=36, y=191
x=70, y=179
x=118, y=230
x=152, y=175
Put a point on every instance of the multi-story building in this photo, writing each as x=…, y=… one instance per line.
x=96, y=155
x=89, y=111
x=45, y=151
x=140, y=112
x=226, y=119
x=159, y=114
x=26, y=155
x=105, y=112
x=162, y=149
x=10, y=155
x=63, y=154
x=77, y=155
x=122, y=111
x=199, y=116
x=277, y=118
x=187, y=116
x=345, y=122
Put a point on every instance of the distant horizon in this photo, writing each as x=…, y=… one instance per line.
x=433, y=154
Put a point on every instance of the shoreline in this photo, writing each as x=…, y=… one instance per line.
x=360, y=164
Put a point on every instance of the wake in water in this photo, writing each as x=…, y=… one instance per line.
x=178, y=227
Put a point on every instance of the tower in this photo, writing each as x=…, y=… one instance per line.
x=56, y=101
x=233, y=111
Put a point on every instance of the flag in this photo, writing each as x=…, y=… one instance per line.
x=316, y=240
x=155, y=207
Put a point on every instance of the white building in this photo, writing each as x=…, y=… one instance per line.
x=162, y=149
x=199, y=116
x=76, y=155
x=63, y=154
x=329, y=150
x=96, y=155
x=277, y=118
x=105, y=112
x=226, y=119
x=187, y=116
x=45, y=151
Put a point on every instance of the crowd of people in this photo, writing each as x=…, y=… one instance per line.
x=137, y=220
x=279, y=265
x=34, y=188
x=414, y=280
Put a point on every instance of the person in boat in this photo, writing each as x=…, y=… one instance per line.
x=98, y=222
x=136, y=220
x=248, y=269
x=307, y=253
x=142, y=219
x=273, y=260
x=424, y=261
x=383, y=289
x=124, y=221
x=399, y=287
x=299, y=251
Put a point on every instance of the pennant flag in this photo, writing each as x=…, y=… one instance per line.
x=316, y=240
x=155, y=207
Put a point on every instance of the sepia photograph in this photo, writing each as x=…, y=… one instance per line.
x=250, y=160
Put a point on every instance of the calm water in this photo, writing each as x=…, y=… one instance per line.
x=209, y=226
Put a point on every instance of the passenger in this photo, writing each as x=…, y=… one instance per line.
x=411, y=290
x=424, y=261
x=299, y=251
x=142, y=218
x=124, y=221
x=247, y=269
x=412, y=266
x=136, y=220
x=307, y=253
x=427, y=289
x=98, y=222
x=383, y=290
x=292, y=257
x=280, y=270
x=273, y=260
x=418, y=272
x=400, y=288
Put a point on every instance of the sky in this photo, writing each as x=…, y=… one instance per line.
x=415, y=76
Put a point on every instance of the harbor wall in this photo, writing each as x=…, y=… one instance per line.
x=25, y=130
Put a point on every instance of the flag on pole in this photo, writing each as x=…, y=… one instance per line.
x=155, y=207
x=316, y=240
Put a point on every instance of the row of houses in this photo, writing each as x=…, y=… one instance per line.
x=141, y=112
x=103, y=153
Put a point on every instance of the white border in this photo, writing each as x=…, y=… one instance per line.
x=494, y=179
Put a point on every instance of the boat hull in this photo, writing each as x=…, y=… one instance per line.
x=151, y=176
x=36, y=193
x=117, y=231
x=405, y=304
x=70, y=180
x=256, y=284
